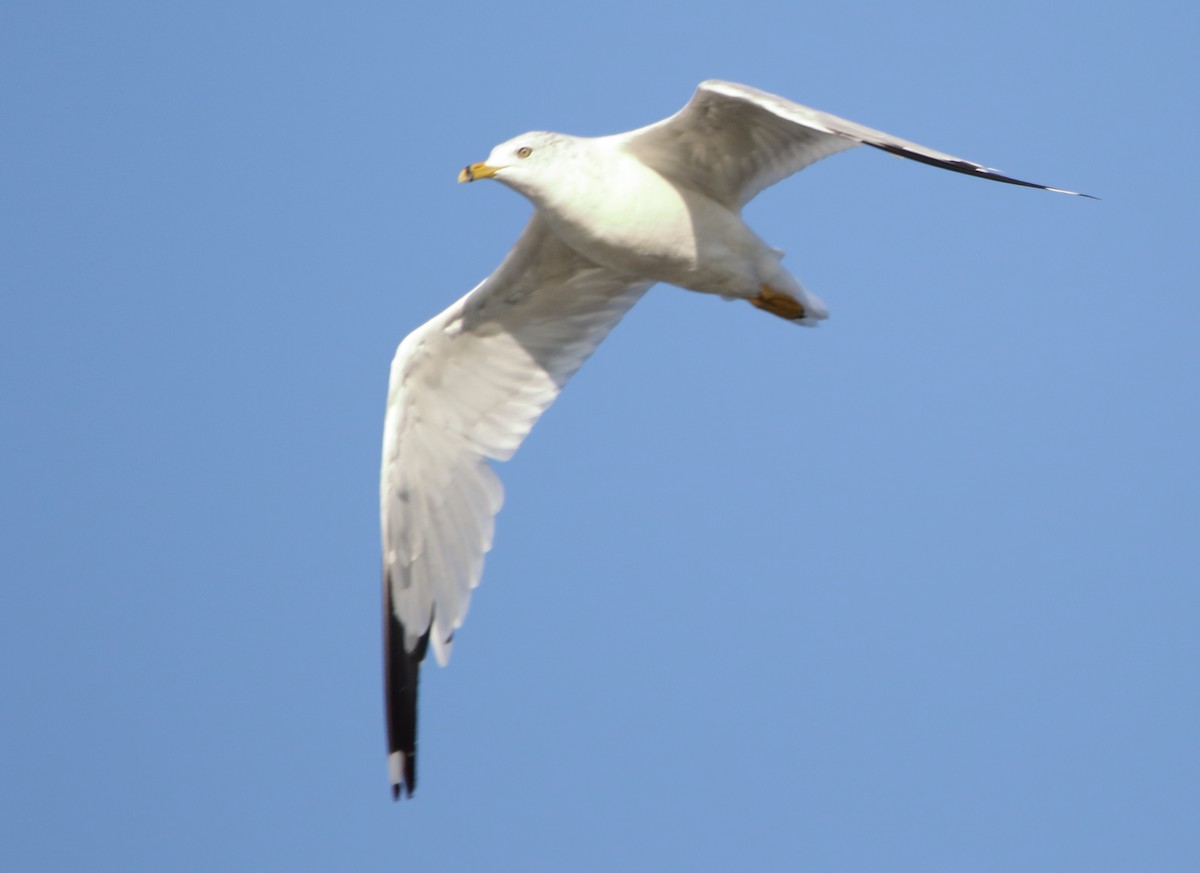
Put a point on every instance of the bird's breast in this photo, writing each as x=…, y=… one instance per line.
x=629, y=219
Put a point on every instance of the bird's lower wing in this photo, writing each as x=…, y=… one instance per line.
x=466, y=387
x=732, y=141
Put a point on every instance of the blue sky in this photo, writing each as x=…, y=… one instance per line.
x=913, y=591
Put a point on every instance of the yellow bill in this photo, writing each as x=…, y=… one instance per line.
x=472, y=172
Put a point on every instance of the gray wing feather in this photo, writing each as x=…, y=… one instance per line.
x=732, y=141
x=466, y=387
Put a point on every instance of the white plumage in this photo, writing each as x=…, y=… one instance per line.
x=613, y=216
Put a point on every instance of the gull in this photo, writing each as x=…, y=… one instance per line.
x=613, y=216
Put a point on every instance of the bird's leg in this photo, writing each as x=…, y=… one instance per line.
x=779, y=303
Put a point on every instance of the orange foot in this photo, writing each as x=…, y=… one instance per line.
x=779, y=303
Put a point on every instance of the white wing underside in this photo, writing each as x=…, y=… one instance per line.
x=466, y=387
x=731, y=141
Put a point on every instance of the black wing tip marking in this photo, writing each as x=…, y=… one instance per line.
x=968, y=168
x=401, y=671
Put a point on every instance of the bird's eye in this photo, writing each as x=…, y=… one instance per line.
x=524, y=152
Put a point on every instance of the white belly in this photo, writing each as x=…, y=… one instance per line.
x=640, y=224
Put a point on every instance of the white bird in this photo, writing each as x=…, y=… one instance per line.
x=614, y=215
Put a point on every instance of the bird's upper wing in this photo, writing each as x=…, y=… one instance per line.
x=465, y=387
x=732, y=141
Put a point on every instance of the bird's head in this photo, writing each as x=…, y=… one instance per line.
x=524, y=162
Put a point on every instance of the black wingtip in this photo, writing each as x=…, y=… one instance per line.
x=958, y=165
x=1065, y=191
x=401, y=672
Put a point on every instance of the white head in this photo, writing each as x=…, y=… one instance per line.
x=525, y=161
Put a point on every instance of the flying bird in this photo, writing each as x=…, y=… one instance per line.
x=613, y=215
